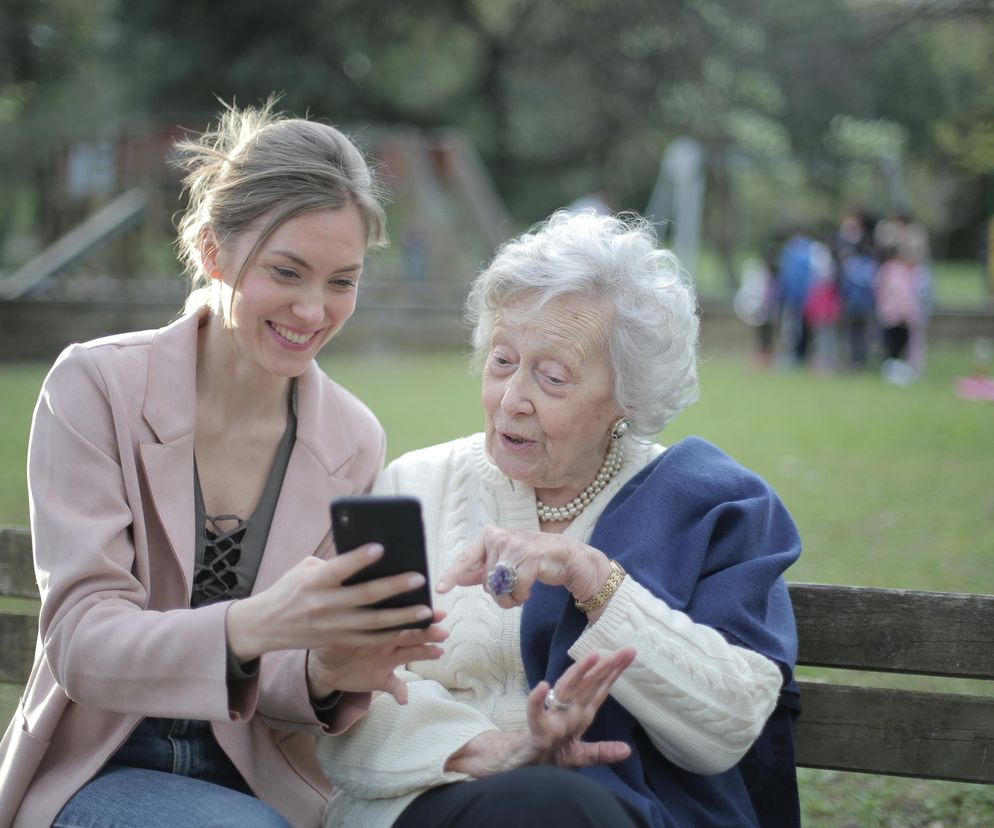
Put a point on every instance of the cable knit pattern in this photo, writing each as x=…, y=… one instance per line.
x=701, y=700
x=709, y=704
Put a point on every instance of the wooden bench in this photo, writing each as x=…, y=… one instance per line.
x=847, y=727
x=898, y=732
x=18, y=624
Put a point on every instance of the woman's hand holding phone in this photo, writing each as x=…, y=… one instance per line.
x=359, y=669
x=392, y=585
x=393, y=522
x=354, y=646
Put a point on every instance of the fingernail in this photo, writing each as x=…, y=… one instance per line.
x=423, y=613
x=416, y=580
x=441, y=586
x=375, y=550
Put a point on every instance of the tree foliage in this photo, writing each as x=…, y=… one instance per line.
x=561, y=96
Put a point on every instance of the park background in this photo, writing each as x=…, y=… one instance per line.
x=484, y=116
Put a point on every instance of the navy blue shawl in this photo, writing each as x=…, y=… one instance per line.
x=711, y=539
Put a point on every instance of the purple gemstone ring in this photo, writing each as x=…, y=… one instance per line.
x=502, y=579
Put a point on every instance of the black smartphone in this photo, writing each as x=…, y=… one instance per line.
x=395, y=522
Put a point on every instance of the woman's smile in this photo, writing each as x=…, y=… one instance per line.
x=291, y=338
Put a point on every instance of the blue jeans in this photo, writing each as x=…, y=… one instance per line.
x=170, y=772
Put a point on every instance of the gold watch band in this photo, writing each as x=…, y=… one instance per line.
x=601, y=597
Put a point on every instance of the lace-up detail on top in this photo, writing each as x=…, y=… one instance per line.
x=216, y=575
x=229, y=548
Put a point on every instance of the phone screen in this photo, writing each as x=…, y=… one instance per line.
x=395, y=522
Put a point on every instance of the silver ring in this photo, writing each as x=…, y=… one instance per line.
x=553, y=704
x=502, y=579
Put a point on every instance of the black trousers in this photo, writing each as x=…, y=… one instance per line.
x=896, y=341
x=539, y=796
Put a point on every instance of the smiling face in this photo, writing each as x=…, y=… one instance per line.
x=547, y=393
x=297, y=290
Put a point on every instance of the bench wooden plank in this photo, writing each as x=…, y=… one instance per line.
x=17, y=574
x=893, y=630
x=896, y=732
x=18, y=634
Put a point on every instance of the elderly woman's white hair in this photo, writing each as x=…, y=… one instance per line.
x=652, y=333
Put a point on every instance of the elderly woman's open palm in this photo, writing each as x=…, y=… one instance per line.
x=557, y=719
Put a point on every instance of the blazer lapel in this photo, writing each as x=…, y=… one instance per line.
x=170, y=410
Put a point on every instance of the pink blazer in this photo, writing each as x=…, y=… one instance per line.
x=110, y=475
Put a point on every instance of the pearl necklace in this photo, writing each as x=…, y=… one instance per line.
x=609, y=468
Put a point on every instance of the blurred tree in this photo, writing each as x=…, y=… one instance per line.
x=792, y=100
x=559, y=94
x=54, y=88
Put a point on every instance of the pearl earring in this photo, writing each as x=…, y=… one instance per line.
x=620, y=428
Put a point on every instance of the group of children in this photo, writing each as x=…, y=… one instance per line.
x=869, y=286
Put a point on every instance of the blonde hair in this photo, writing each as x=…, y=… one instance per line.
x=256, y=161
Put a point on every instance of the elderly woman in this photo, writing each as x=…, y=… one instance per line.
x=597, y=585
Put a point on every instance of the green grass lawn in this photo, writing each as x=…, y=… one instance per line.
x=889, y=487
x=961, y=283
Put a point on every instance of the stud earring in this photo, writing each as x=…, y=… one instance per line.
x=620, y=428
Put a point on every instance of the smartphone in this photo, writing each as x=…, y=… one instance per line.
x=395, y=522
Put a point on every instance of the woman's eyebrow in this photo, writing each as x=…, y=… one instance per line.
x=293, y=257
x=303, y=263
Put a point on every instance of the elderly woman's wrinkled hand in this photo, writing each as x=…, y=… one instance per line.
x=508, y=562
x=557, y=720
x=558, y=717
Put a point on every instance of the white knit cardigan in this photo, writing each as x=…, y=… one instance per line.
x=701, y=700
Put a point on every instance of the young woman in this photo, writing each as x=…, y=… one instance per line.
x=194, y=633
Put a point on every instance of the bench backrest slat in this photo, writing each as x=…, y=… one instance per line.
x=17, y=574
x=897, y=732
x=18, y=634
x=892, y=630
